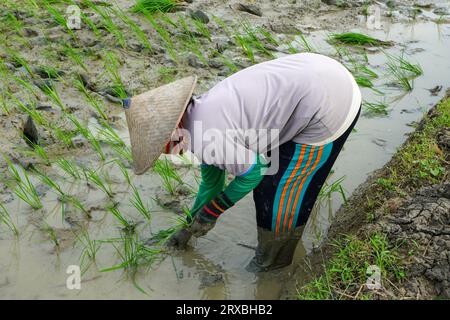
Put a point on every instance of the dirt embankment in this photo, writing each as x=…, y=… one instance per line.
x=407, y=205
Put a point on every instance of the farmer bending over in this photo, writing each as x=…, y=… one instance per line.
x=277, y=127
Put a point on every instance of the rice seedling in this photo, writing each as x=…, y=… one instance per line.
x=267, y=36
x=112, y=66
x=328, y=189
x=37, y=150
x=400, y=62
x=202, y=29
x=64, y=136
x=94, y=177
x=5, y=218
x=90, y=249
x=108, y=23
x=116, y=143
x=58, y=17
x=87, y=134
x=12, y=21
x=307, y=46
x=74, y=56
x=400, y=75
x=163, y=33
x=229, y=63
x=356, y=39
x=376, y=108
x=253, y=40
x=137, y=202
x=51, y=92
x=134, y=254
x=127, y=225
x=30, y=109
x=135, y=27
x=19, y=61
x=167, y=74
x=110, y=135
x=63, y=196
x=124, y=171
x=96, y=104
x=154, y=6
x=193, y=47
x=88, y=21
x=50, y=182
x=23, y=187
x=4, y=95
x=181, y=222
x=357, y=67
x=25, y=84
x=245, y=45
x=169, y=176
x=223, y=25
x=51, y=233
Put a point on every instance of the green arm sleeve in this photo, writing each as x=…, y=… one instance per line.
x=243, y=184
x=213, y=180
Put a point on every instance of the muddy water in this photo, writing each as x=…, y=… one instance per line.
x=213, y=268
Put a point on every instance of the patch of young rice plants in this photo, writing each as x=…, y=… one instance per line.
x=124, y=171
x=376, y=108
x=50, y=182
x=252, y=38
x=30, y=109
x=127, y=226
x=245, y=45
x=112, y=68
x=169, y=176
x=108, y=23
x=164, y=34
x=357, y=39
x=93, y=177
x=93, y=102
x=403, y=71
x=58, y=17
x=51, y=92
x=76, y=57
x=51, y=233
x=69, y=167
x=87, y=134
x=307, y=46
x=23, y=187
x=154, y=6
x=134, y=27
x=327, y=191
x=37, y=150
x=267, y=36
x=5, y=219
x=90, y=249
x=137, y=202
x=202, y=29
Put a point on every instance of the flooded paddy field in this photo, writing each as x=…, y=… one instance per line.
x=67, y=186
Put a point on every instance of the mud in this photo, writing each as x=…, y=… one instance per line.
x=424, y=217
x=213, y=266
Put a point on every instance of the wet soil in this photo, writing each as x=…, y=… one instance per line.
x=213, y=267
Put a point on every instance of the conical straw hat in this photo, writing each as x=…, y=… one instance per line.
x=153, y=116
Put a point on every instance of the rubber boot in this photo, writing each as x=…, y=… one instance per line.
x=274, y=253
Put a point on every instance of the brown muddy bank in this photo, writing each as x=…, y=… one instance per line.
x=414, y=215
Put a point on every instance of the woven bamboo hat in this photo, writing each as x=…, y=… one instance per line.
x=153, y=116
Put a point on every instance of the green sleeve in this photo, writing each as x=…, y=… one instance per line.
x=243, y=184
x=213, y=180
